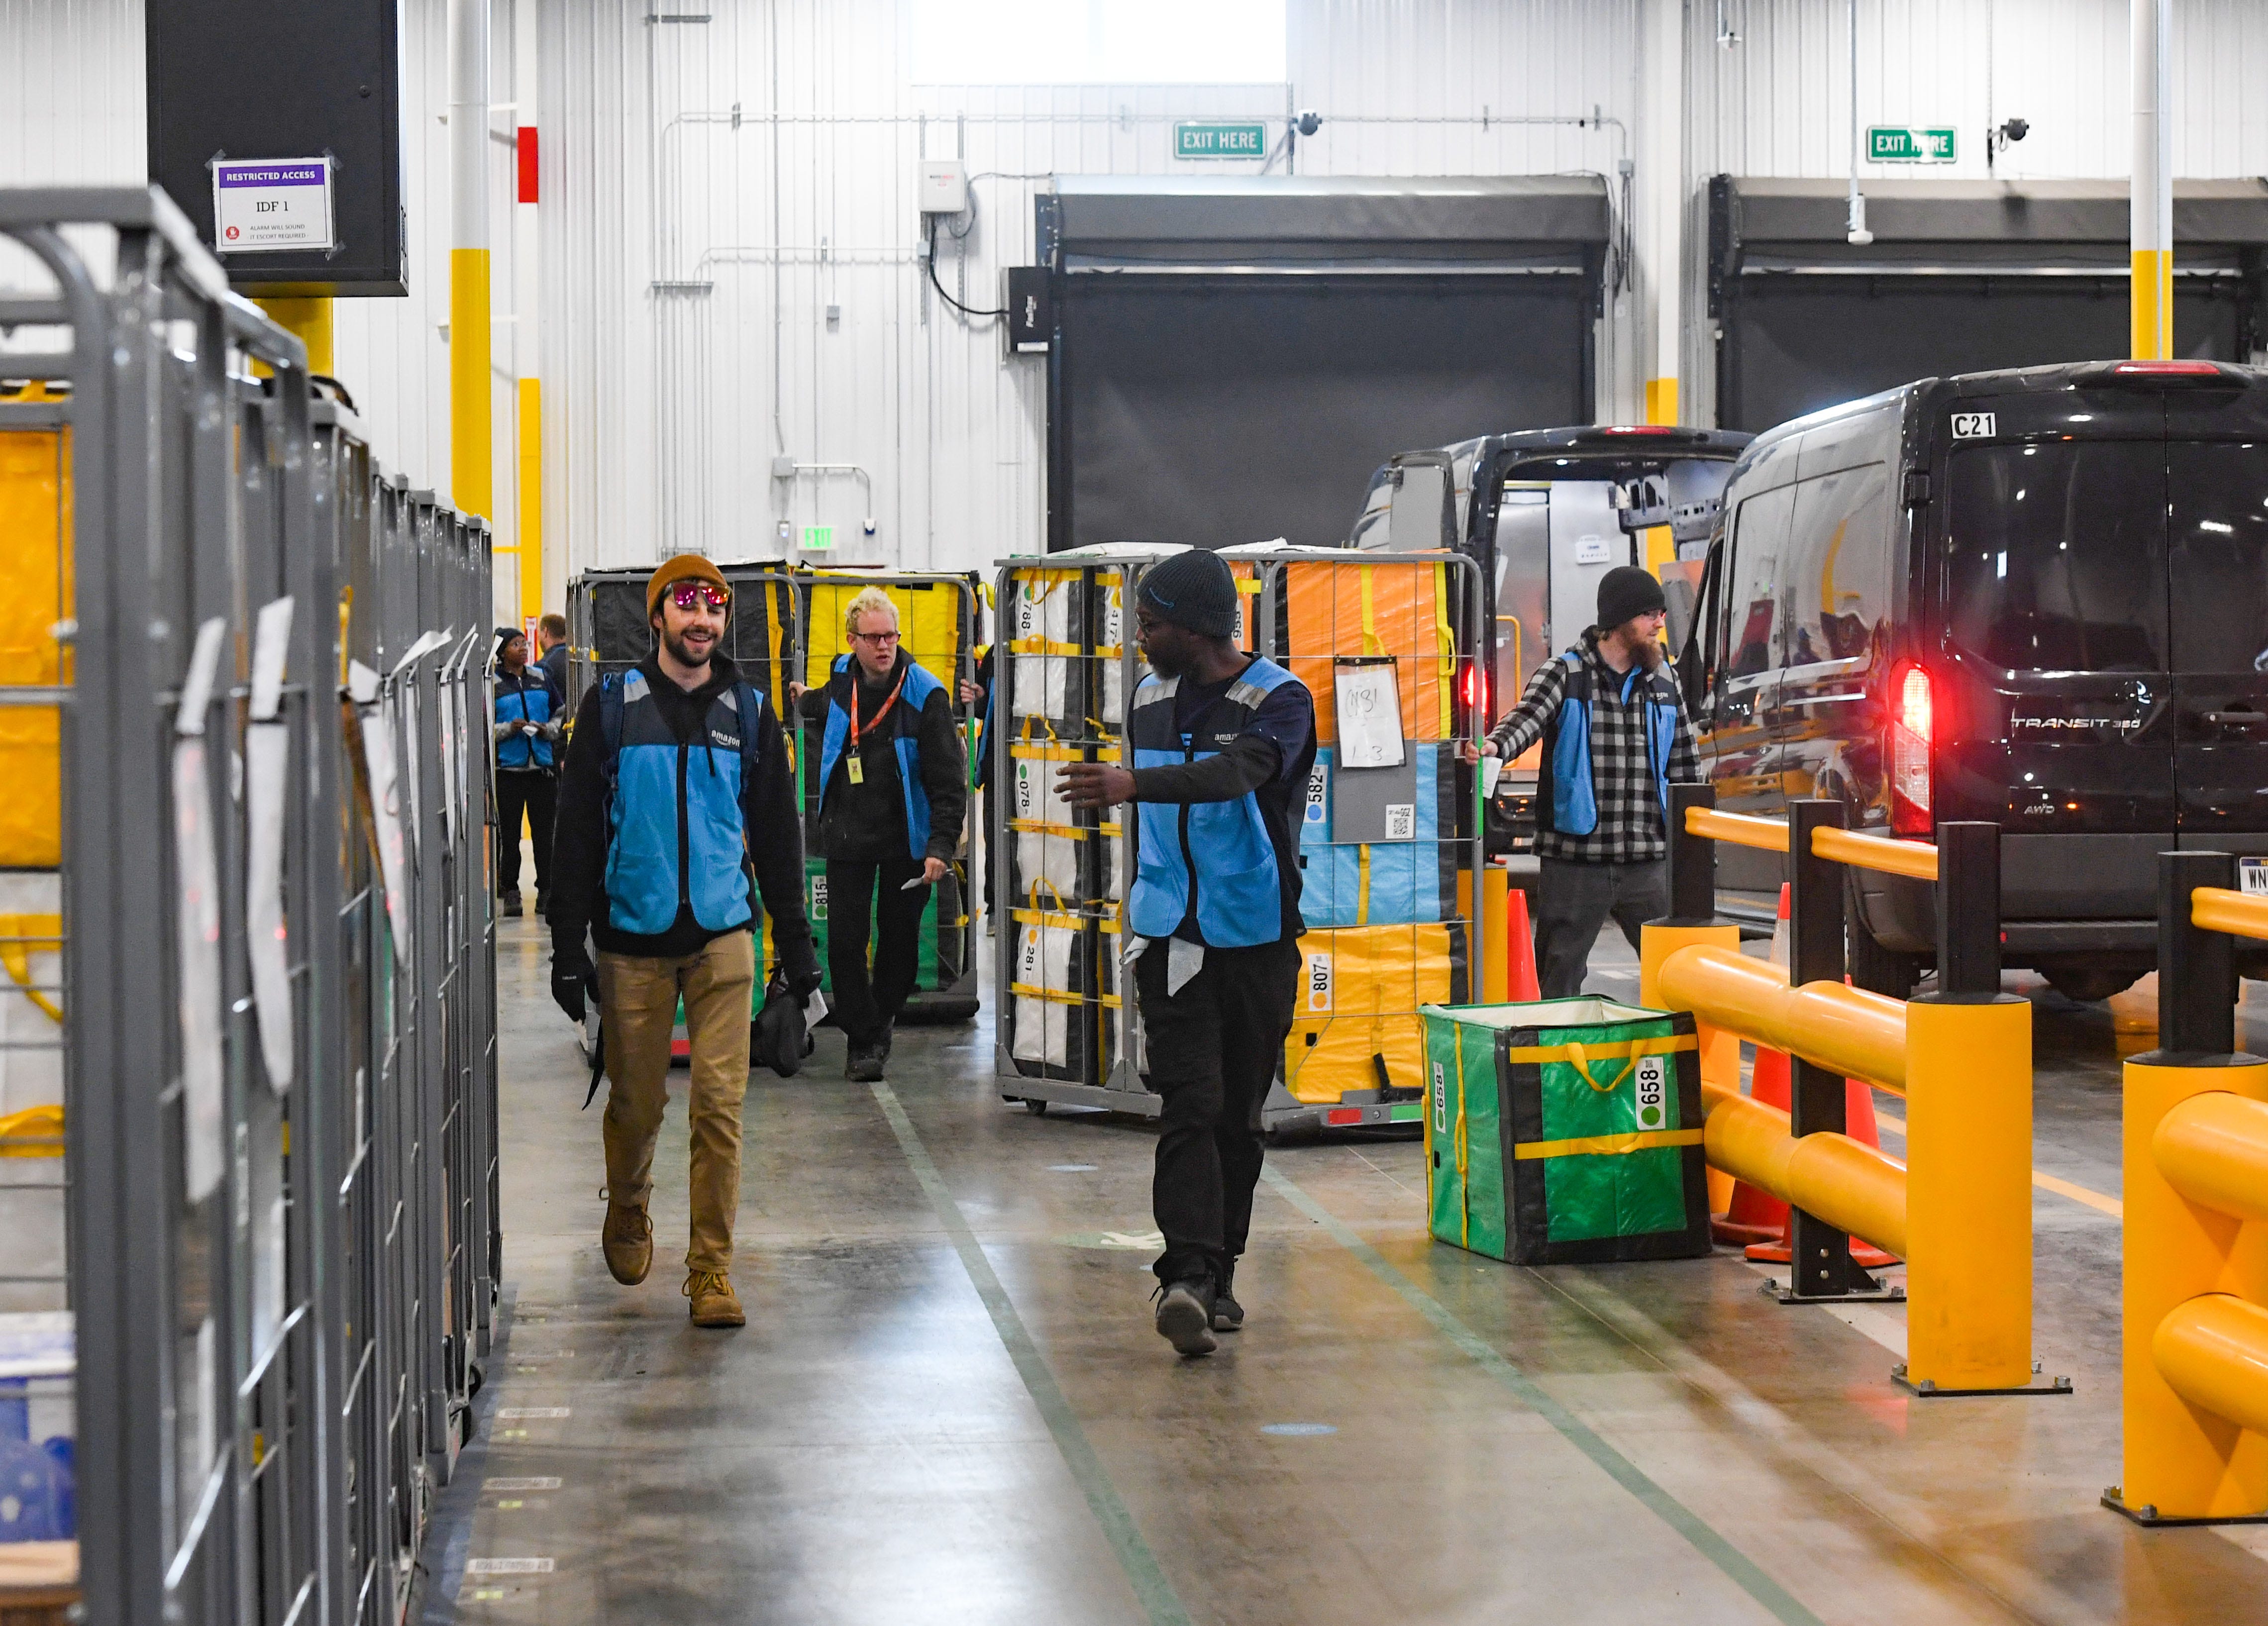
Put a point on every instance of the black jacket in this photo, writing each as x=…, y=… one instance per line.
x=555, y=677
x=579, y=834
x=868, y=819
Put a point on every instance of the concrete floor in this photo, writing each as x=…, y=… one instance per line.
x=948, y=1405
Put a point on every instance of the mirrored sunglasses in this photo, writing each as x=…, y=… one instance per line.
x=685, y=595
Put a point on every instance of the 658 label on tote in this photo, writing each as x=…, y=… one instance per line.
x=1652, y=1076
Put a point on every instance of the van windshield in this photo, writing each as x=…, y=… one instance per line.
x=2056, y=555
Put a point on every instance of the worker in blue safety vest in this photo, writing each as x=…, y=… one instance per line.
x=526, y=732
x=1222, y=742
x=677, y=790
x=894, y=791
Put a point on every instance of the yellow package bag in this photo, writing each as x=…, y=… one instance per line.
x=1355, y=1024
x=35, y=528
x=929, y=623
x=1348, y=609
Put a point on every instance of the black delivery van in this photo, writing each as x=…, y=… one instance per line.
x=2037, y=596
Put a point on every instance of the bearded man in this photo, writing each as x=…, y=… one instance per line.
x=1614, y=738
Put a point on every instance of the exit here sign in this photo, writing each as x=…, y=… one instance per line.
x=1240, y=140
x=1901, y=144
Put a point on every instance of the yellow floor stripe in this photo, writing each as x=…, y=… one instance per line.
x=2111, y=1206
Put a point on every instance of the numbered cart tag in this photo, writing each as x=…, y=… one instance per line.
x=819, y=897
x=1653, y=1078
x=2252, y=877
x=1319, y=791
x=1319, y=982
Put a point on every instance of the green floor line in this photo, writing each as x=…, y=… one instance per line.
x=1151, y=1587
x=1736, y=1565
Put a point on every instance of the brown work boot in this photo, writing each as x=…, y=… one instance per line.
x=628, y=1239
x=714, y=1304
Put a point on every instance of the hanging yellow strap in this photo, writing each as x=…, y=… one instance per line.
x=1464, y=1186
x=1362, y=883
x=1446, y=641
x=1372, y=644
x=1581, y=1064
x=21, y=936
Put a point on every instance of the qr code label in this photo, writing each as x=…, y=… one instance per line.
x=1401, y=821
x=1652, y=1073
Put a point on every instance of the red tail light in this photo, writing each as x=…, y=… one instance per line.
x=1475, y=691
x=1913, y=728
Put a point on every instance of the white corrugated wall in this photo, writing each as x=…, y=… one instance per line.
x=693, y=244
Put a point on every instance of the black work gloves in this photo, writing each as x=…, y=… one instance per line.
x=574, y=979
x=799, y=964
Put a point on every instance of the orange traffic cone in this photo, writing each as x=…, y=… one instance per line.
x=1857, y=1123
x=1520, y=972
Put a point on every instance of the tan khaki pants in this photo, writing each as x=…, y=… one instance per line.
x=637, y=998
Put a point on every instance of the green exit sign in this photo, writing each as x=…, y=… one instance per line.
x=1240, y=140
x=818, y=538
x=1900, y=143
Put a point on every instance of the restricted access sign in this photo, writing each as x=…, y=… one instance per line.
x=266, y=205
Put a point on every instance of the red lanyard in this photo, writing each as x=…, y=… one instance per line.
x=856, y=733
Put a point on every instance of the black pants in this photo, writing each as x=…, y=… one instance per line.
x=1572, y=901
x=864, y=1005
x=1214, y=1049
x=519, y=790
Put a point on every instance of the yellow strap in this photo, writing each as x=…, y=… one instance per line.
x=1372, y=644
x=1058, y=996
x=1446, y=643
x=1609, y=1145
x=1581, y=1064
x=1668, y=1044
x=20, y=935
x=1362, y=883
x=35, y=1132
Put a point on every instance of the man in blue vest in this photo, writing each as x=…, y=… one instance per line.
x=677, y=788
x=526, y=732
x=1222, y=742
x=1614, y=738
x=893, y=790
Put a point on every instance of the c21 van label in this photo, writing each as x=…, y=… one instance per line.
x=1973, y=426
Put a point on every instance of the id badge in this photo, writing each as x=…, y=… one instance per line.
x=856, y=768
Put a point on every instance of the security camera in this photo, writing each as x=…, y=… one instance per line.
x=2015, y=129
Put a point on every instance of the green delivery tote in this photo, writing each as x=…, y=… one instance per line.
x=1565, y=1131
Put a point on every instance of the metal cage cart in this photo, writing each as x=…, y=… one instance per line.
x=1391, y=836
x=278, y=1094
x=1386, y=851
x=938, y=618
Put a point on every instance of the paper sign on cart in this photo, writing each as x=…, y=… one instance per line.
x=271, y=205
x=1369, y=713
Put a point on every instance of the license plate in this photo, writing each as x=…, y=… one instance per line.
x=2252, y=876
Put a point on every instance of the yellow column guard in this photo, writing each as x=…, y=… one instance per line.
x=2213, y=1150
x=2214, y=1352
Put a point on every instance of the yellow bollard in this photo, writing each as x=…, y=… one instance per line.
x=1720, y=1051
x=1969, y=1193
x=2181, y=1460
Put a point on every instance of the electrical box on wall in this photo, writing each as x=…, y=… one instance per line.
x=1028, y=328
x=294, y=178
x=944, y=187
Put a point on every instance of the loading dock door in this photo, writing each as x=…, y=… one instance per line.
x=1962, y=277
x=1233, y=358
x=1225, y=410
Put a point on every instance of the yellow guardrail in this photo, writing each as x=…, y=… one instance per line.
x=2223, y=908
x=1740, y=829
x=1843, y=1029
x=1917, y=860
x=2195, y=1299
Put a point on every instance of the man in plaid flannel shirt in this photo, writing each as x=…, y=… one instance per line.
x=1615, y=734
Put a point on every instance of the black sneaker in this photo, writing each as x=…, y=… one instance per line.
x=511, y=910
x=1185, y=1316
x=863, y=1065
x=542, y=902
x=1227, y=1314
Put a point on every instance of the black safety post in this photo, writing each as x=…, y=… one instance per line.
x=1819, y=1264
x=1692, y=860
x=2197, y=968
x=1968, y=908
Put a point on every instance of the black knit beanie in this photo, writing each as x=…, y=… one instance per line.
x=1627, y=592
x=504, y=635
x=1193, y=590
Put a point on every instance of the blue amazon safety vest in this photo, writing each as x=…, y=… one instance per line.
x=519, y=703
x=648, y=774
x=1568, y=801
x=1213, y=859
x=904, y=725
